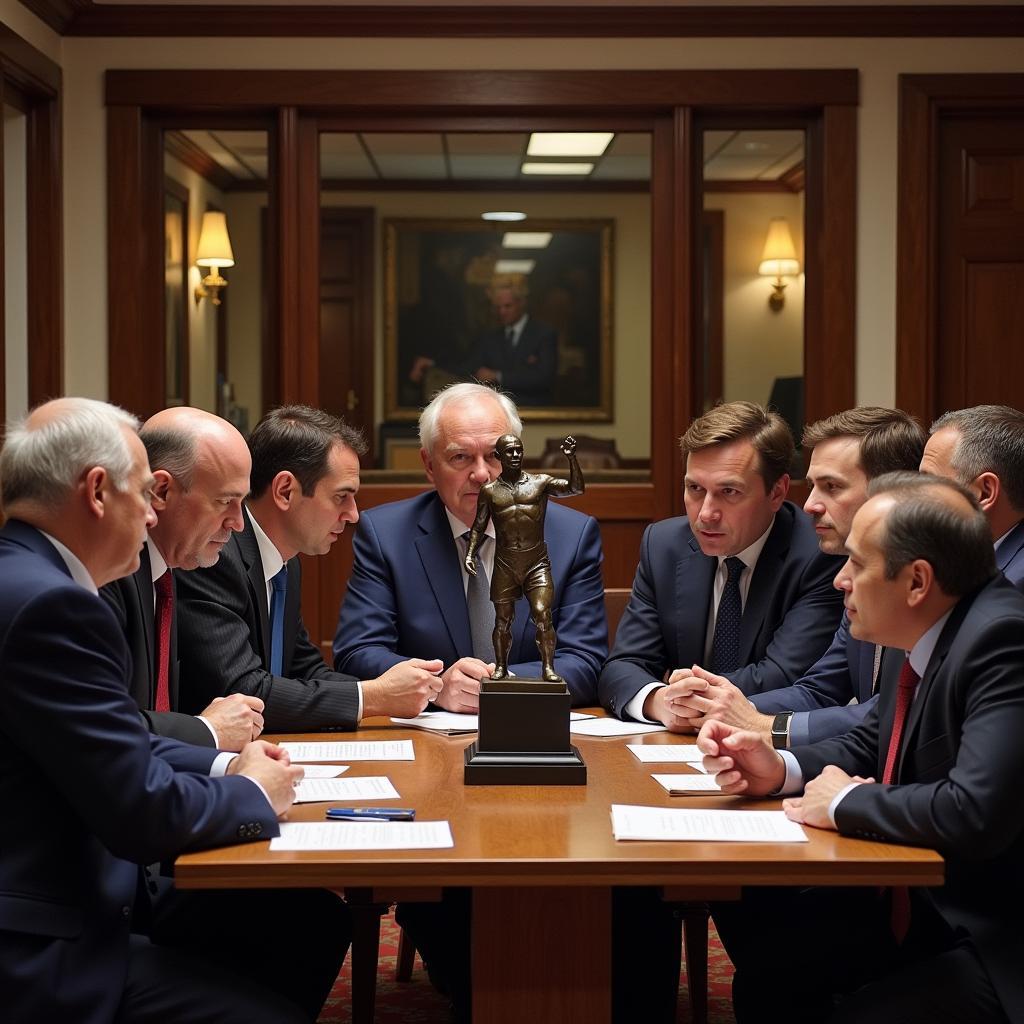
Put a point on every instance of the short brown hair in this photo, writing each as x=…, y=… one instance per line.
x=767, y=431
x=299, y=439
x=890, y=439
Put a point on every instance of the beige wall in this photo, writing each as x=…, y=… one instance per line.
x=879, y=61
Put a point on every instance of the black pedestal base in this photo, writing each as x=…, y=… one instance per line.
x=524, y=768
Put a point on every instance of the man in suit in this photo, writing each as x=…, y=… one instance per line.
x=88, y=793
x=520, y=356
x=200, y=465
x=936, y=763
x=407, y=594
x=848, y=450
x=240, y=626
x=982, y=448
x=738, y=586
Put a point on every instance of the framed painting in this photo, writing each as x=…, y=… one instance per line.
x=526, y=307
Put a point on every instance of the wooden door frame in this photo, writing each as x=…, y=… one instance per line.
x=923, y=101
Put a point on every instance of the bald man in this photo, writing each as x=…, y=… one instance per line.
x=200, y=465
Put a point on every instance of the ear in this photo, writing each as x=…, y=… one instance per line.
x=95, y=485
x=284, y=489
x=988, y=488
x=161, y=486
x=777, y=495
x=428, y=464
x=921, y=580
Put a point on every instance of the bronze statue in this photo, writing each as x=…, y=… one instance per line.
x=517, y=502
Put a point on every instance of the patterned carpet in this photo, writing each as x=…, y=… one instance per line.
x=416, y=1002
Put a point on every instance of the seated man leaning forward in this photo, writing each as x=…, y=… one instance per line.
x=738, y=586
x=937, y=763
x=240, y=626
x=408, y=590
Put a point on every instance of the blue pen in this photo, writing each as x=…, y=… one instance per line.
x=371, y=813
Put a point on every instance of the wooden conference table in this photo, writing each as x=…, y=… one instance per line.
x=541, y=861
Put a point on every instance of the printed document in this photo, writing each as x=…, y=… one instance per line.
x=688, y=785
x=363, y=835
x=666, y=753
x=351, y=750
x=372, y=787
x=632, y=822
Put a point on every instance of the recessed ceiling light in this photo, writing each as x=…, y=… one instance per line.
x=526, y=239
x=568, y=143
x=514, y=266
x=538, y=168
x=503, y=215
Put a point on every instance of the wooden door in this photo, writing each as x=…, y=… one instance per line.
x=980, y=321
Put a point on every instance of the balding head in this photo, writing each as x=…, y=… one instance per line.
x=201, y=464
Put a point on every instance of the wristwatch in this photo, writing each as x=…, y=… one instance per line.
x=780, y=730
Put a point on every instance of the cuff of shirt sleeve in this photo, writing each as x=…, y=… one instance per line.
x=209, y=725
x=836, y=800
x=799, y=729
x=359, y=706
x=794, y=781
x=219, y=768
x=635, y=708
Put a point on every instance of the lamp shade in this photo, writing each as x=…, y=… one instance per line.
x=779, y=256
x=214, y=243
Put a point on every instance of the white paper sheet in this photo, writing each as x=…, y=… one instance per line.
x=352, y=750
x=363, y=835
x=632, y=822
x=666, y=753
x=688, y=784
x=371, y=787
x=323, y=771
x=611, y=727
x=449, y=722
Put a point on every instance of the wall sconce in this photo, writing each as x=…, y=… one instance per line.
x=778, y=260
x=215, y=252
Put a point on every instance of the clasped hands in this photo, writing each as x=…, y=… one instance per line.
x=692, y=696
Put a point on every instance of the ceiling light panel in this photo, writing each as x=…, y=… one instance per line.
x=526, y=240
x=578, y=169
x=568, y=143
x=514, y=266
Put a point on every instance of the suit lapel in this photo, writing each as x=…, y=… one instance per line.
x=695, y=576
x=764, y=581
x=292, y=614
x=439, y=556
x=249, y=549
x=1010, y=547
x=142, y=579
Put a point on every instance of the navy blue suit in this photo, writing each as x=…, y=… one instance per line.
x=790, y=613
x=528, y=367
x=88, y=794
x=406, y=597
x=821, y=699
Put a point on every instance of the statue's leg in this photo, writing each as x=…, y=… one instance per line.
x=504, y=612
x=540, y=612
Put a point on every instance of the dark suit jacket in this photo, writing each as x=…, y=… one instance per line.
x=528, y=368
x=405, y=597
x=821, y=699
x=958, y=778
x=87, y=793
x=131, y=598
x=790, y=614
x=224, y=645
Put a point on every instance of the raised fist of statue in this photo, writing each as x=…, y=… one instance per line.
x=569, y=446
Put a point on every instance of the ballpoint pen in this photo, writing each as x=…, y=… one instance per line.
x=371, y=813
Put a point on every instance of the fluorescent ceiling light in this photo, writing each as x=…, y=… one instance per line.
x=538, y=168
x=514, y=266
x=503, y=215
x=568, y=143
x=526, y=240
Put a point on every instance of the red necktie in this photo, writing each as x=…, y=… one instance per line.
x=899, y=915
x=164, y=611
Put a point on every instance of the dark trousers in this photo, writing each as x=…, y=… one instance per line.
x=828, y=954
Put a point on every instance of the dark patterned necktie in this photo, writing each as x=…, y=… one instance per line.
x=279, y=585
x=725, y=645
x=481, y=609
x=164, y=611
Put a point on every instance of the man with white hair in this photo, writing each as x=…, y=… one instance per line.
x=88, y=793
x=201, y=465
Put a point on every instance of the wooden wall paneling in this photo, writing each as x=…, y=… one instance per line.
x=3, y=283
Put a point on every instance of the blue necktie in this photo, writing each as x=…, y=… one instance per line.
x=279, y=585
x=725, y=646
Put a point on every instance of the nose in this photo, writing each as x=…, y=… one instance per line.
x=234, y=520
x=708, y=510
x=842, y=580
x=150, y=516
x=481, y=471
x=350, y=512
x=814, y=506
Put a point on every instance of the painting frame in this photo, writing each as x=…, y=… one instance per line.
x=438, y=278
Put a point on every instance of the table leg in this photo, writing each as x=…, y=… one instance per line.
x=541, y=955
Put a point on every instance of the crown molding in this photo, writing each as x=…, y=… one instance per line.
x=86, y=18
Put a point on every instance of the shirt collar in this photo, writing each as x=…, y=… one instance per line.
x=458, y=527
x=921, y=653
x=78, y=571
x=157, y=565
x=1005, y=535
x=269, y=555
x=750, y=554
